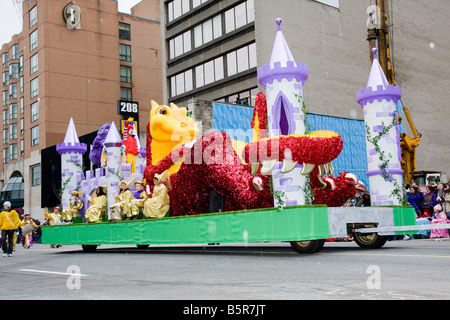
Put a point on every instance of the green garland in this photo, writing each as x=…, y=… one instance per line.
x=385, y=159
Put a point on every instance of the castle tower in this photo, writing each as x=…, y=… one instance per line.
x=384, y=158
x=71, y=151
x=283, y=80
x=113, y=144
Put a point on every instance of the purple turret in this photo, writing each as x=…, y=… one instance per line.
x=379, y=100
x=71, y=151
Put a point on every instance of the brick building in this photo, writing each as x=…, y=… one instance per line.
x=72, y=61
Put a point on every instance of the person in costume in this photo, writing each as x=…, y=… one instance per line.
x=53, y=219
x=27, y=226
x=76, y=204
x=9, y=222
x=122, y=207
x=158, y=205
x=139, y=198
x=131, y=143
x=97, y=206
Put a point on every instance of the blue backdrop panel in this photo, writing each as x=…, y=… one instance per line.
x=235, y=120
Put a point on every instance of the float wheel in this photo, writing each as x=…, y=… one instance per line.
x=369, y=240
x=309, y=246
x=89, y=247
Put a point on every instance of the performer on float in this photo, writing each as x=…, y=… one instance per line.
x=131, y=143
x=139, y=198
x=122, y=207
x=9, y=222
x=53, y=219
x=76, y=204
x=27, y=226
x=97, y=206
x=159, y=204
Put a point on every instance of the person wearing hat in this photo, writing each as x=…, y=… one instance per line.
x=97, y=206
x=357, y=200
x=27, y=231
x=139, y=198
x=159, y=204
x=9, y=222
x=76, y=204
x=53, y=219
x=439, y=218
x=122, y=207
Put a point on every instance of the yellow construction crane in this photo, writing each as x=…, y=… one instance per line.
x=378, y=35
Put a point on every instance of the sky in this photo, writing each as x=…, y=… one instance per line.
x=10, y=23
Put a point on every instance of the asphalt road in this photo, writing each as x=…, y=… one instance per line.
x=401, y=270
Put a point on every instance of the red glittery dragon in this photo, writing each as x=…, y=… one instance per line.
x=213, y=163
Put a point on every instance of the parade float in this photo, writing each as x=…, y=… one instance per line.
x=280, y=187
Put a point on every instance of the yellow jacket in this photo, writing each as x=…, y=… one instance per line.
x=9, y=220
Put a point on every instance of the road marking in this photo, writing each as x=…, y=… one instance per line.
x=385, y=254
x=54, y=272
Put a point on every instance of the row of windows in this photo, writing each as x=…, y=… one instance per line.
x=10, y=153
x=212, y=29
x=217, y=69
x=177, y=8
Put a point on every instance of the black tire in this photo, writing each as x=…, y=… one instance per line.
x=369, y=240
x=142, y=246
x=89, y=247
x=310, y=246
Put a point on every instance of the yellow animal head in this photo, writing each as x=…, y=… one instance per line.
x=171, y=124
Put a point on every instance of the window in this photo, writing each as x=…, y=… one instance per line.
x=5, y=78
x=177, y=8
x=181, y=83
x=22, y=105
x=34, y=63
x=5, y=116
x=33, y=16
x=34, y=87
x=15, y=51
x=5, y=97
x=21, y=84
x=13, y=111
x=5, y=136
x=35, y=111
x=20, y=63
x=13, y=151
x=126, y=94
x=35, y=176
x=14, y=71
x=241, y=59
x=180, y=44
x=207, y=31
x=125, y=74
x=196, y=3
x=13, y=90
x=22, y=147
x=33, y=40
x=35, y=136
x=5, y=57
x=239, y=16
x=209, y=72
x=22, y=126
x=5, y=155
x=13, y=131
x=124, y=31
x=125, y=52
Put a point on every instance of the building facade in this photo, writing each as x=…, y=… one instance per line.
x=214, y=47
x=72, y=60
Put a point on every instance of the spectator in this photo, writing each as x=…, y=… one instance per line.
x=429, y=201
x=439, y=218
x=9, y=222
x=415, y=198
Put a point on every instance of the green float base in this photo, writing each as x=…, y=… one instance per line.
x=297, y=223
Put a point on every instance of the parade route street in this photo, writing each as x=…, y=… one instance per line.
x=401, y=270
